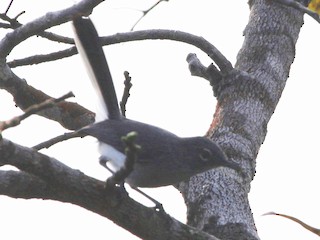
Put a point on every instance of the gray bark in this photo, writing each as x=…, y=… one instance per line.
x=218, y=201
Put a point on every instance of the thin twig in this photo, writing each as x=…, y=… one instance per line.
x=8, y=7
x=306, y=226
x=56, y=37
x=19, y=14
x=145, y=12
x=53, y=141
x=36, y=59
x=126, y=93
x=32, y=110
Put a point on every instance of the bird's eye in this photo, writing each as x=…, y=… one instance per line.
x=205, y=154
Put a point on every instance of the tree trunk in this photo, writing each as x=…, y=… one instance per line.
x=217, y=201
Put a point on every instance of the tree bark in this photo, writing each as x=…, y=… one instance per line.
x=217, y=201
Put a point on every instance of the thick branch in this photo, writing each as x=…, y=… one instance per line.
x=13, y=24
x=51, y=19
x=57, y=181
x=19, y=184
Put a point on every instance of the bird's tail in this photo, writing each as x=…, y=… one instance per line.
x=90, y=49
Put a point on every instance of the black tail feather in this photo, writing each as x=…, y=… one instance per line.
x=89, y=46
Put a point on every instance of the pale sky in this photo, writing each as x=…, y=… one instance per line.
x=164, y=94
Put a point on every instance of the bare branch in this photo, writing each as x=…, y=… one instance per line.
x=13, y=24
x=126, y=93
x=56, y=37
x=210, y=73
x=8, y=7
x=26, y=95
x=19, y=14
x=36, y=59
x=32, y=110
x=306, y=226
x=145, y=12
x=70, y=115
x=5, y=25
x=19, y=184
x=55, y=140
x=50, y=19
x=159, y=34
x=69, y=185
x=196, y=67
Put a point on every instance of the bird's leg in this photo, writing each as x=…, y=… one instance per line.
x=110, y=183
x=117, y=179
x=158, y=206
x=103, y=162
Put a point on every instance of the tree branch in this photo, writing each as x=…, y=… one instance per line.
x=224, y=65
x=57, y=139
x=210, y=73
x=36, y=59
x=70, y=115
x=8, y=7
x=159, y=34
x=145, y=12
x=50, y=19
x=126, y=93
x=59, y=182
x=19, y=184
x=32, y=110
x=13, y=24
x=306, y=226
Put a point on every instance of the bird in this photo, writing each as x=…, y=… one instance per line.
x=164, y=158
